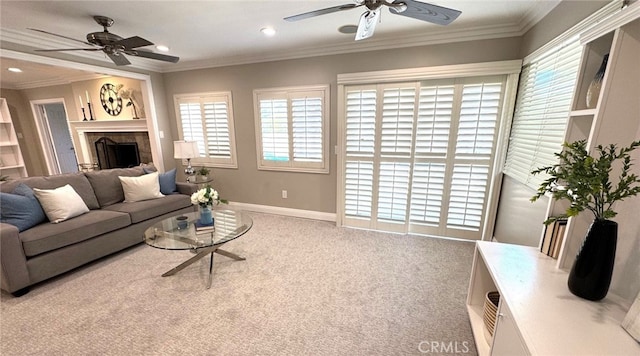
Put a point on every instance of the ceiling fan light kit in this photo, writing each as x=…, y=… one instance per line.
x=114, y=46
x=409, y=8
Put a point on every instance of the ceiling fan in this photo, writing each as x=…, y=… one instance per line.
x=410, y=8
x=114, y=46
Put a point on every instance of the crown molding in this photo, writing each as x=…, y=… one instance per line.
x=55, y=81
x=536, y=13
x=374, y=44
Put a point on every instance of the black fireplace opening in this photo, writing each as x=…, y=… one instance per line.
x=113, y=154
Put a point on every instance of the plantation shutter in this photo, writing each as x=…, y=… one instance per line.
x=207, y=119
x=419, y=155
x=306, y=114
x=275, y=129
x=360, y=139
x=543, y=104
x=292, y=129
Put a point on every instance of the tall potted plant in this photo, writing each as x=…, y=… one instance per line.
x=586, y=182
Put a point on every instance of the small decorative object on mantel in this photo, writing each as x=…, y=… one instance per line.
x=586, y=183
x=89, y=106
x=84, y=117
x=206, y=198
x=128, y=94
x=631, y=321
x=593, y=93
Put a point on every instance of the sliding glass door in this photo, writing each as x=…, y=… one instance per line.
x=418, y=156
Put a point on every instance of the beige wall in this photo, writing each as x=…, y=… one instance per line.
x=563, y=17
x=315, y=192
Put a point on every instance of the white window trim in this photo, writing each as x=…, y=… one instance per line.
x=510, y=68
x=231, y=162
x=292, y=166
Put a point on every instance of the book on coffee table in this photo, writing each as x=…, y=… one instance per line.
x=202, y=227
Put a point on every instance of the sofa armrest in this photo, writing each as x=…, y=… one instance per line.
x=13, y=262
x=186, y=188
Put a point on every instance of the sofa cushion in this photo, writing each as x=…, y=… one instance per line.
x=48, y=237
x=21, y=208
x=78, y=181
x=106, y=184
x=167, y=180
x=141, y=188
x=147, y=209
x=60, y=204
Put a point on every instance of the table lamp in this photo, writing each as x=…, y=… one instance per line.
x=188, y=150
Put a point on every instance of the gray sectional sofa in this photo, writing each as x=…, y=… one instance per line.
x=47, y=250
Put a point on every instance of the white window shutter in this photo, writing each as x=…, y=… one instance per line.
x=468, y=190
x=478, y=119
x=275, y=129
x=207, y=118
x=292, y=128
x=542, y=109
x=434, y=120
x=306, y=114
x=358, y=188
x=427, y=192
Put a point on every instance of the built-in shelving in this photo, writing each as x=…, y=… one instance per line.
x=11, y=161
x=537, y=315
x=615, y=117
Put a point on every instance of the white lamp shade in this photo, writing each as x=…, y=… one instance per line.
x=185, y=149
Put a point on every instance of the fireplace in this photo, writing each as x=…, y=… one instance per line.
x=119, y=149
x=112, y=154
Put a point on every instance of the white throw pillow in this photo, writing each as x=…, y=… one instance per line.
x=144, y=187
x=61, y=203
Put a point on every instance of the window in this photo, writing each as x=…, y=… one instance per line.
x=292, y=128
x=207, y=118
x=419, y=155
x=542, y=109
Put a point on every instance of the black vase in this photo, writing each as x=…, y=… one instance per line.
x=590, y=275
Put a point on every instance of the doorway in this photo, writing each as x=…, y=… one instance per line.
x=55, y=137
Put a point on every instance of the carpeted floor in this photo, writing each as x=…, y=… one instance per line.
x=306, y=288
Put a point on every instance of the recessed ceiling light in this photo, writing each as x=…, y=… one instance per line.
x=14, y=69
x=348, y=29
x=162, y=48
x=268, y=31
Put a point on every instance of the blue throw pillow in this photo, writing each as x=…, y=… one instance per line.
x=21, y=208
x=167, y=181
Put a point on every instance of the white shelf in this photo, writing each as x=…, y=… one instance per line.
x=10, y=155
x=547, y=317
x=583, y=112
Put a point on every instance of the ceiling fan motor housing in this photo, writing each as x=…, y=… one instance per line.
x=102, y=38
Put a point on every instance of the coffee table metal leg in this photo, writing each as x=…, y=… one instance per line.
x=230, y=255
x=210, y=269
x=188, y=262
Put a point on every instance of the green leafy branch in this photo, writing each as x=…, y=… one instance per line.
x=585, y=181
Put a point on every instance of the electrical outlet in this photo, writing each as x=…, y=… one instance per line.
x=284, y=194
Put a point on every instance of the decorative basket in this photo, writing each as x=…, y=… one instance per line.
x=491, y=301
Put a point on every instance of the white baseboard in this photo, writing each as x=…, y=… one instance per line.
x=299, y=213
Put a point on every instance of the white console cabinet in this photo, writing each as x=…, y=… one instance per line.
x=537, y=315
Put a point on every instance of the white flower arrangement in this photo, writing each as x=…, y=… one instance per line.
x=206, y=196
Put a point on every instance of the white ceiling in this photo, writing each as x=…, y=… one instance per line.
x=223, y=32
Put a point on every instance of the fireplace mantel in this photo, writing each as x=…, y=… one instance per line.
x=82, y=127
x=109, y=125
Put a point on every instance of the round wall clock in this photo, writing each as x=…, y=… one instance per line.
x=111, y=102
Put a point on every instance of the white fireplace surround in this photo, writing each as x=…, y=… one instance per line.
x=82, y=127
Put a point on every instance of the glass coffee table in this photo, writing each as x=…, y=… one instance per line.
x=168, y=235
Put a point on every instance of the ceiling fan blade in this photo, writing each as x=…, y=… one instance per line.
x=55, y=34
x=367, y=24
x=133, y=42
x=119, y=59
x=426, y=12
x=315, y=13
x=152, y=55
x=68, y=49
